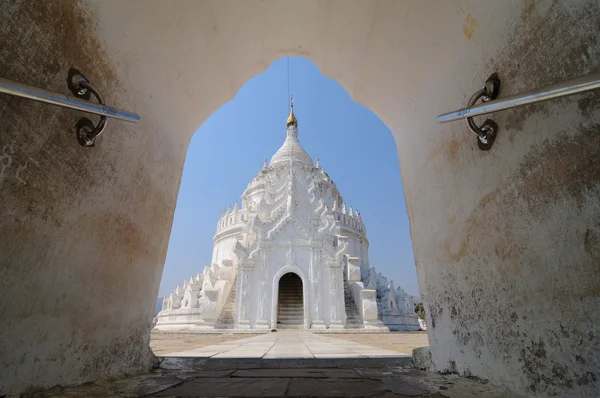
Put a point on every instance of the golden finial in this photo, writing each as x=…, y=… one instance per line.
x=291, y=118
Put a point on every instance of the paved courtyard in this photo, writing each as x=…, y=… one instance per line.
x=289, y=345
x=395, y=341
x=287, y=364
x=163, y=343
x=167, y=343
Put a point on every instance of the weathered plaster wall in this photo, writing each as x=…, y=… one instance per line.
x=83, y=232
x=507, y=242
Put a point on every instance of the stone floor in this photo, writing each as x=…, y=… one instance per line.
x=285, y=364
x=251, y=377
x=289, y=345
x=165, y=343
x=395, y=341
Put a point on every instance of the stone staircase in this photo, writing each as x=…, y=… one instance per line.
x=353, y=319
x=290, y=309
x=225, y=320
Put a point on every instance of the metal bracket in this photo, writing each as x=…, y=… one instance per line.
x=87, y=132
x=487, y=132
x=84, y=128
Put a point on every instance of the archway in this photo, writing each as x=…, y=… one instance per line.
x=290, y=302
x=261, y=106
x=84, y=244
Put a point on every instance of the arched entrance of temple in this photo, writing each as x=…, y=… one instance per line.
x=290, y=302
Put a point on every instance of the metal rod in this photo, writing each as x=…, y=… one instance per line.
x=42, y=95
x=557, y=90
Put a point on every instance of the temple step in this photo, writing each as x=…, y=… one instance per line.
x=225, y=320
x=291, y=318
x=291, y=311
x=353, y=319
x=296, y=303
x=290, y=326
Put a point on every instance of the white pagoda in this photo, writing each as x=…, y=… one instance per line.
x=293, y=255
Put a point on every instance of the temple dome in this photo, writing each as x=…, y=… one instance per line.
x=291, y=148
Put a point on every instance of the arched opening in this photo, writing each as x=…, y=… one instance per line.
x=185, y=61
x=290, y=302
x=332, y=128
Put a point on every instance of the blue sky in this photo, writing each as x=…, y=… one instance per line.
x=356, y=149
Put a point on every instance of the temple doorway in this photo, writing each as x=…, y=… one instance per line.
x=290, y=303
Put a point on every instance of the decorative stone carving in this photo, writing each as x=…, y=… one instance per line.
x=262, y=305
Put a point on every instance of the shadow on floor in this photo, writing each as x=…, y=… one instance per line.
x=251, y=377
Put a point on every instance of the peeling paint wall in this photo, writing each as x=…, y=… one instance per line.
x=507, y=242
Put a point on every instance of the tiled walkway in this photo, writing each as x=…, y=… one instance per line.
x=289, y=345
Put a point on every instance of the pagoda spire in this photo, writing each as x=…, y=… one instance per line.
x=291, y=120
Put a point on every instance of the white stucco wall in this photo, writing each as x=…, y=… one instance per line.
x=507, y=243
x=223, y=249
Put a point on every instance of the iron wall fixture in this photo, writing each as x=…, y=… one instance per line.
x=486, y=134
x=84, y=128
x=86, y=131
x=557, y=90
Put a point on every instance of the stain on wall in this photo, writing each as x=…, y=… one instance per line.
x=470, y=26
